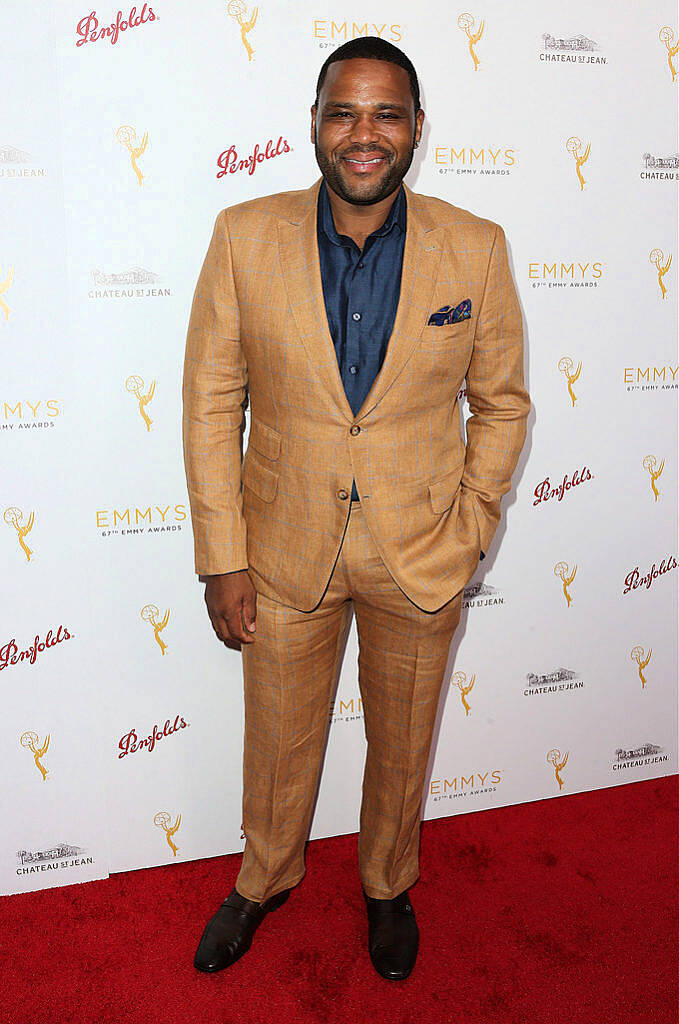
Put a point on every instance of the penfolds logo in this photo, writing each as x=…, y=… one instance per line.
x=634, y=579
x=10, y=654
x=544, y=490
x=130, y=742
x=229, y=162
x=89, y=31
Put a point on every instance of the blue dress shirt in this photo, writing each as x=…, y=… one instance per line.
x=361, y=291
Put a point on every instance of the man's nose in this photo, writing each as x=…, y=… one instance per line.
x=364, y=130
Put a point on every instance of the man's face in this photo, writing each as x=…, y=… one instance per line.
x=365, y=129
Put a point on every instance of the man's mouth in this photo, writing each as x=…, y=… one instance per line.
x=364, y=165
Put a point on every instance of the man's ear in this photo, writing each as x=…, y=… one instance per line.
x=419, y=121
x=313, y=125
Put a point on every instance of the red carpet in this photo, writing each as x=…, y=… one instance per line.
x=561, y=911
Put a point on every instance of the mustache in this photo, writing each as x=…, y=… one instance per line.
x=363, y=150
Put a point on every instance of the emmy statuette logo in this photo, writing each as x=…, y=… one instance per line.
x=150, y=613
x=666, y=36
x=15, y=517
x=237, y=9
x=4, y=287
x=460, y=680
x=465, y=22
x=555, y=758
x=574, y=147
x=565, y=365
x=637, y=654
x=135, y=385
x=162, y=820
x=662, y=265
x=655, y=471
x=127, y=137
x=30, y=741
x=562, y=571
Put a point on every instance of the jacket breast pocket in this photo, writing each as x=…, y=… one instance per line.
x=440, y=334
x=442, y=491
x=259, y=478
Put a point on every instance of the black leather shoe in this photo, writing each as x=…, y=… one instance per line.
x=393, y=935
x=228, y=934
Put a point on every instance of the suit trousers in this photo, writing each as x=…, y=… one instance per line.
x=289, y=674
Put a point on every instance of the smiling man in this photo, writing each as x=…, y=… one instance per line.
x=347, y=316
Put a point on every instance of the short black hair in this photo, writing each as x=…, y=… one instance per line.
x=372, y=48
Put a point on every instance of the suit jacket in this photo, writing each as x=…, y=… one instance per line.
x=258, y=336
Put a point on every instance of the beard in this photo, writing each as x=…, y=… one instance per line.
x=364, y=193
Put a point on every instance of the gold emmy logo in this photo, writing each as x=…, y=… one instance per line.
x=637, y=654
x=30, y=741
x=565, y=365
x=127, y=137
x=162, y=820
x=466, y=23
x=666, y=36
x=460, y=680
x=14, y=517
x=554, y=758
x=656, y=257
x=135, y=385
x=649, y=464
x=573, y=146
x=150, y=613
x=562, y=571
x=237, y=9
x=4, y=286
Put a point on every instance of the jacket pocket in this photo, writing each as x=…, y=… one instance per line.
x=264, y=439
x=259, y=478
x=442, y=491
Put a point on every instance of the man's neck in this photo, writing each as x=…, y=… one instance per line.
x=357, y=221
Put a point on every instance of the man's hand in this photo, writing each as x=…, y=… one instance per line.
x=231, y=601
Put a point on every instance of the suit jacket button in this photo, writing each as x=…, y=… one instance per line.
x=355, y=429
x=342, y=493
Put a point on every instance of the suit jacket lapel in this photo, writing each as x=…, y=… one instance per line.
x=300, y=264
x=421, y=259
x=301, y=267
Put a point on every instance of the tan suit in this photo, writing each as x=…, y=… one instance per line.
x=258, y=332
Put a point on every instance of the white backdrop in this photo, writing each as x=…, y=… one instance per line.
x=104, y=636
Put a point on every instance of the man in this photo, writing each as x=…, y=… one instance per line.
x=348, y=316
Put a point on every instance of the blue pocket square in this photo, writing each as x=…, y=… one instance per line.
x=448, y=315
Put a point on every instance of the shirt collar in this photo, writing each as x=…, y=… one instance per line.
x=395, y=218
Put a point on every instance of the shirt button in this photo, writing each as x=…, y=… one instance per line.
x=353, y=369
x=355, y=316
x=361, y=266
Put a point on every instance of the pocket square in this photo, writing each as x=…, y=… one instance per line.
x=448, y=315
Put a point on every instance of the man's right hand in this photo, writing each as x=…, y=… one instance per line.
x=231, y=601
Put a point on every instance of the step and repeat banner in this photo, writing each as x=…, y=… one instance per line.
x=124, y=132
